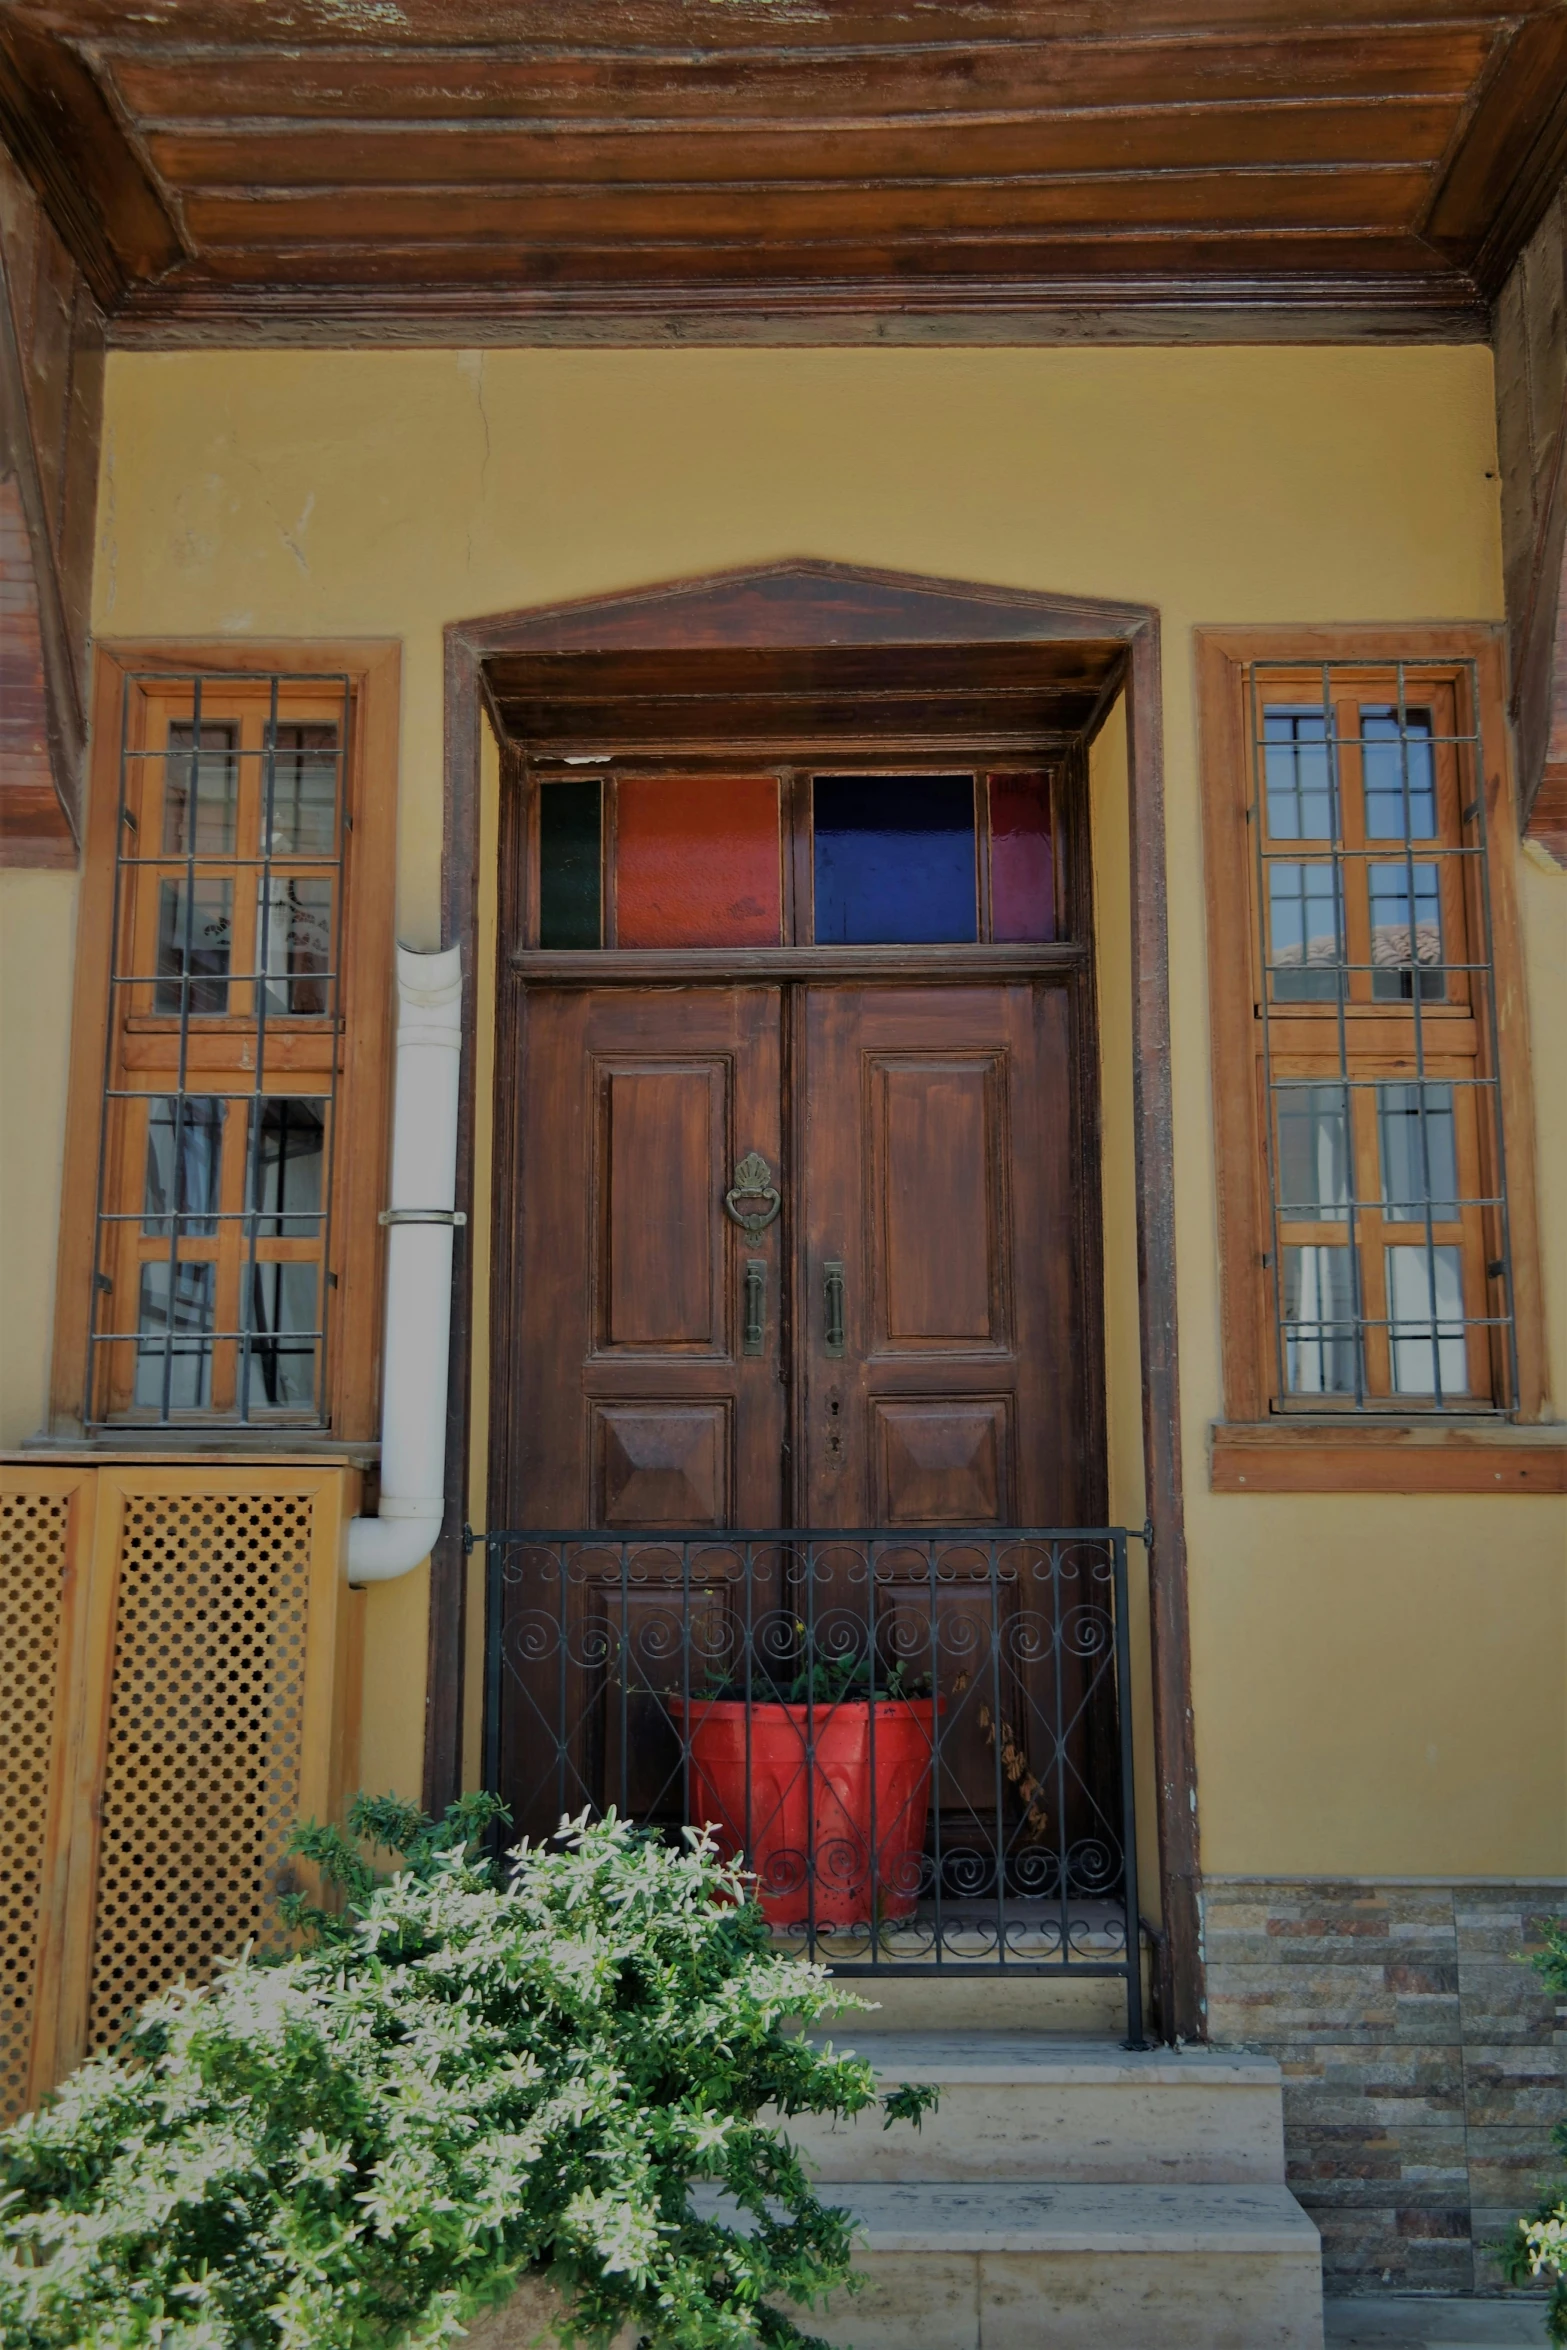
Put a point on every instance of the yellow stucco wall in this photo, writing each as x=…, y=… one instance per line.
x=37, y=945
x=1378, y=1682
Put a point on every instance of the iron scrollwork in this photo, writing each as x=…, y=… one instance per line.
x=918, y=1741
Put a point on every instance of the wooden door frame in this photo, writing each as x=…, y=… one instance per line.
x=811, y=604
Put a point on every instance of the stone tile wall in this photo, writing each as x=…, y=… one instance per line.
x=1423, y=2063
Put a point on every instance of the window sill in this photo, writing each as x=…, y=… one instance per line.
x=223, y=1447
x=1389, y=1456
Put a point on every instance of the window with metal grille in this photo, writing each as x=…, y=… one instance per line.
x=213, y=1264
x=1387, y=1244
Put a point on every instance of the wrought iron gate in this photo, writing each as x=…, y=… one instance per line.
x=919, y=1743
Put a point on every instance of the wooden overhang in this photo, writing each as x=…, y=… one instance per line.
x=1028, y=695
x=457, y=170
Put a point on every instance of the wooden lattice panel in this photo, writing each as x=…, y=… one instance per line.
x=34, y=1536
x=202, y=1770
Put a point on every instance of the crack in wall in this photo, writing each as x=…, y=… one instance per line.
x=471, y=364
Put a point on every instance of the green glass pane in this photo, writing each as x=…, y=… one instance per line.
x=571, y=828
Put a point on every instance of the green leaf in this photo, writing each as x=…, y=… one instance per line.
x=469, y=2071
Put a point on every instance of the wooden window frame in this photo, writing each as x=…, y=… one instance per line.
x=373, y=671
x=1256, y=1449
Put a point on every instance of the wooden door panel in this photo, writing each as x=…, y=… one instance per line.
x=645, y=1641
x=945, y=1461
x=937, y=1136
x=937, y=1156
x=662, y=1466
x=638, y=1403
x=659, y=1178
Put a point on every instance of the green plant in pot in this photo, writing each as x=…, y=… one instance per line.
x=819, y=1772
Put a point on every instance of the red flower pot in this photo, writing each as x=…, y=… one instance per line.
x=811, y=1828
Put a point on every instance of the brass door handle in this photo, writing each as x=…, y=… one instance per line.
x=832, y=1302
x=755, y=1304
x=753, y=1180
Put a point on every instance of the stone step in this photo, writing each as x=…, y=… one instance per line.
x=1013, y=2266
x=934, y=2000
x=1021, y=2106
x=1434, y=2321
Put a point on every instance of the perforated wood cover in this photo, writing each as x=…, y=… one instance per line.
x=33, y=1531
x=202, y=1771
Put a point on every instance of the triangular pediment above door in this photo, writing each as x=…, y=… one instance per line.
x=805, y=601
x=795, y=632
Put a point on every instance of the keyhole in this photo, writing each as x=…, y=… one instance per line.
x=834, y=1432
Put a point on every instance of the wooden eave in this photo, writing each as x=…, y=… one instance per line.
x=801, y=695
x=235, y=171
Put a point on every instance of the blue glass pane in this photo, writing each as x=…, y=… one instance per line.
x=1400, y=772
x=895, y=860
x=1299, y=776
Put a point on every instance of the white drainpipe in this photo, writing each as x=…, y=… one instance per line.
x=418, y=1273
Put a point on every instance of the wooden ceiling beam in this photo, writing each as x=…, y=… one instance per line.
x=166, y=87
x=1197, y=158
x=966, y=307
x=1014, y=152
x=42, y=734
x=1508, y=157
x=1363, y=197
x=61, y=129
x=1004, y=665
x=685, y=25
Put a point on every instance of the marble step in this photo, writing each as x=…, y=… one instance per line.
x=1093, y=2006
x=1022, y=2106
x=1434, y=2321
x=1014, y=2266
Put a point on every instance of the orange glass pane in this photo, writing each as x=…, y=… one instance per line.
x=697, y=862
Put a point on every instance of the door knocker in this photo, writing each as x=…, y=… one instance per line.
x=753, y=1180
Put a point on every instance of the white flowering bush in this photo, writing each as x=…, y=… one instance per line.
x=463, y=2080
x=1536, y=2252
x=1543, y=2246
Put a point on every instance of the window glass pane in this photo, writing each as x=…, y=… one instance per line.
x=175, y=1345
x=1319, y=1321
x=288, y=1167
x=1400, y=775
x=1402, y=934
x=1298, y=773
x=1306, y=931
x=1425, y=1303
x=1313, y=1145
x=1419, y=1154
x=895, y=860
x=195, y=933
x=571, y=826
x=1022, y=871
x=200, y=790
x=184, y=1160
x=281, y=1317
x=697, y=861
x=294, y=928
x=304, y=792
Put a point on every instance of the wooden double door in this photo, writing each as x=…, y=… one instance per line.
x=798, y=1254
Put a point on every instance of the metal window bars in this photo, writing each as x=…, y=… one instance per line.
x=185, y=858
x=1374, y=919
x=920, y=1744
